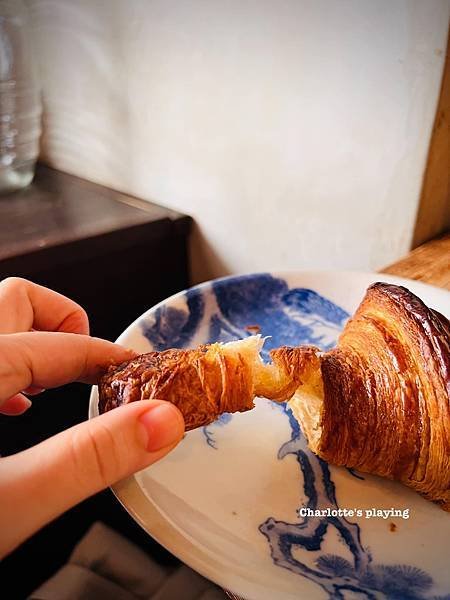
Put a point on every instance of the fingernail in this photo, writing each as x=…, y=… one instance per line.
x=33, y=390
x=162, y=426
x=15, y=406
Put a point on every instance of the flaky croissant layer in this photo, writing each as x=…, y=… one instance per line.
x=207, y=381
x=378, y=402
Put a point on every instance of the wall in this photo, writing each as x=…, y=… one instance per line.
x=295, y=132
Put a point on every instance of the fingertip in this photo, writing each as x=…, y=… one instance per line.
x=126, y=353
x=118, y=354
x=99, y=355
x=75, y=322
x=15, y=406
x=161, y=426
x=33, y=390
x=115, y=351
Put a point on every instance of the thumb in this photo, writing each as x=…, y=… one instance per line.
x=40, y=483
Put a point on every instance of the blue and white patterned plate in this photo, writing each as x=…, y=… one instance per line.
x=230, y=500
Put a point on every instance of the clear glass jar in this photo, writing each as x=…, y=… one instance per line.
x=20, y=99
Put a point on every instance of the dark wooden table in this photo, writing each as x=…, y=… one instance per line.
x=116, y=256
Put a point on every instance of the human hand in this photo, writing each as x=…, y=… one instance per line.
x=44, y=342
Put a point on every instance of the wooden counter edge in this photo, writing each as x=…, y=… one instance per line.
x=429, y=263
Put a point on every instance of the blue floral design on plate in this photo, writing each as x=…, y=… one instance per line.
x=264, y=303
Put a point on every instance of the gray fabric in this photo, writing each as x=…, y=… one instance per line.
x=73, y=582
x=213, y=593
x=184, y=584
x=112, y=556
x=106, y=566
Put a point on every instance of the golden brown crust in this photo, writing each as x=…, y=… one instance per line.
x=203, y=383
x=386, y=405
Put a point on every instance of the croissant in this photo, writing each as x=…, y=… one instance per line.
x=378, y=402
x=209, y=380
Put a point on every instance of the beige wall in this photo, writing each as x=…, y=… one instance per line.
x=295, y=132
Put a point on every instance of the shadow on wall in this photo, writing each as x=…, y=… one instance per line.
x=206, y=263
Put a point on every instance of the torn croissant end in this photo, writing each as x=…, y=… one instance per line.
x=378, y=402
x=210, y=380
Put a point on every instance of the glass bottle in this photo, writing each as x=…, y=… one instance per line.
x=20, y=99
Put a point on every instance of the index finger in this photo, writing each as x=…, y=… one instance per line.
x=25, y=305
x=47, y=360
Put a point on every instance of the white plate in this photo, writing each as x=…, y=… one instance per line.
x=226, y=501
